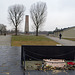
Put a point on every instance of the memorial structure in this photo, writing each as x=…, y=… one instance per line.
x=26, y=24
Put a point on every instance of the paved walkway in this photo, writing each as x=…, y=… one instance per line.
x=5, y=40
x=10, y=61
x=62, y=41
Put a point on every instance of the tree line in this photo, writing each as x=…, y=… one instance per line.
x=2, y=29
x=38, y=13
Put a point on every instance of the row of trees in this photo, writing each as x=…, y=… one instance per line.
x=38, y=12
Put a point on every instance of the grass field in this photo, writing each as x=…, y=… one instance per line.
x=72, y=39
x=31, y=40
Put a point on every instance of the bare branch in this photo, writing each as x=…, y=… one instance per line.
x=16, y=14
x=38, y=13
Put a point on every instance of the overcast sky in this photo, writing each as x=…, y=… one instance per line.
x=60, y=13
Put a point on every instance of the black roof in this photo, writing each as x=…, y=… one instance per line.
x=58, y=30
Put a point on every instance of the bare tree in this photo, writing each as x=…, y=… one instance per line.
x=38, y=13
x=16, y=14
x=2, y=28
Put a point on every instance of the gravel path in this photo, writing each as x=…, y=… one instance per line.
x=62, y=41
x=5, y=40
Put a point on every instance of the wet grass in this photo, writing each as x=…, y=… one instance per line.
x=31, y=40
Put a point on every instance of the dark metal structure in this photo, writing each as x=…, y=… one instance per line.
x=30, y=52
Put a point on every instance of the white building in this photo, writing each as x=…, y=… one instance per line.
x=66, y=32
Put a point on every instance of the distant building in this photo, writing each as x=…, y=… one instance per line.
x=66, y=32
x=26, y=24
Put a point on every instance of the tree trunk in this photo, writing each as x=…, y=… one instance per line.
x=16, y=30
x=37, y=31
x=1, y=32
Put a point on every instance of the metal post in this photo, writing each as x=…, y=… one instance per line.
x=74, y=56
x=22, y=55
x=24, y=59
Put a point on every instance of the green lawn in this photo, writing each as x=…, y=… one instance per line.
x=31, y=40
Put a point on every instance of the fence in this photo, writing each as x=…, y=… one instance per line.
x=38, y=53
